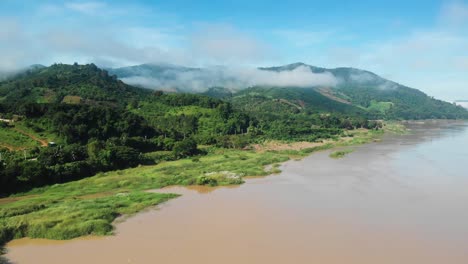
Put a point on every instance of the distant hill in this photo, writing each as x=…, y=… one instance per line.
x=218, y=92
x=290, y=99
x=374, y=96
x=382, y=98
x=66, y=83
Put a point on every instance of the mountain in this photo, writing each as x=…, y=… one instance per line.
x=374, y=96
x=290, y=99
x=66, y=83
x=381, y=98
x=218, y=92
x=98, y=123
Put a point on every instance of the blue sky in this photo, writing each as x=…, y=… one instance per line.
x=422, y=44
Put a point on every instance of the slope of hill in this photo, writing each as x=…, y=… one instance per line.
x=383, y=98
x=99, y=123
x=69, y=83
x=378, y=97
x=298, y=99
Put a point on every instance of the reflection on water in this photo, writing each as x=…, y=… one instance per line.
x=403, y=200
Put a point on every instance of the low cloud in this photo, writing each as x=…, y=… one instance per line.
x=199, y=80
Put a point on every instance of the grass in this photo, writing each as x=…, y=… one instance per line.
x=382, y=107
x=396, y=128
x=15, y=140
x=89, y=206
x=340, y=153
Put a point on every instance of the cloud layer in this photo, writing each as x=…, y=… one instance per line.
x=233, y=78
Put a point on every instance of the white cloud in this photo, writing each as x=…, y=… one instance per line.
x=233, y=78
x=88, y=8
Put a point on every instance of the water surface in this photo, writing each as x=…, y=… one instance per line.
x=403, y=200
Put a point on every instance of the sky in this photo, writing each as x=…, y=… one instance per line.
x=421, y=44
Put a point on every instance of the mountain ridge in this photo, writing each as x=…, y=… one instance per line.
x=380, y=97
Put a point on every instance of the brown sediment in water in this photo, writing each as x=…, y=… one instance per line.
x=403, y=200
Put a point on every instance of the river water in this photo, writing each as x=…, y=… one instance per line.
x=402, y=200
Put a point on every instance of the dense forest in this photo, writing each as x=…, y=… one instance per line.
x=88, y=121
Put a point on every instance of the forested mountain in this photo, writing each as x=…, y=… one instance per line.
x=380, y=97
x=65, y=83
x=98, y=123
x=377, y=97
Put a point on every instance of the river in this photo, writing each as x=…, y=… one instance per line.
x=402, y=200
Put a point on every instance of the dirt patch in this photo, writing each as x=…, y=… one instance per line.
x=330, y=94
x=43, y=143
x=278, y=146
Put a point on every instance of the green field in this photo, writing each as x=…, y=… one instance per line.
x=381, y=107
x=11, y=138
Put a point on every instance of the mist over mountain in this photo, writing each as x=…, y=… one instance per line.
x=13, y=73
x=171, y=77
x=180, y=78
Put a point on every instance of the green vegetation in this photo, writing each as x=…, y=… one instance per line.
x=299, y=114
x=114, y=142
x=401, y=102
x=100, y=124
x=340, y=153
x=395, y=127
x=89, y=206
x=381, y=107
x=356, y=92
x=13, y=139
x=381, y=98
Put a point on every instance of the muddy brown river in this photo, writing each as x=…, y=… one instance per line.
x=402, y=200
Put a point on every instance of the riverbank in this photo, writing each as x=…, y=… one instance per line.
x=89, y=206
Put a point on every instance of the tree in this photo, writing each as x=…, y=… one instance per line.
x=185, y=148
